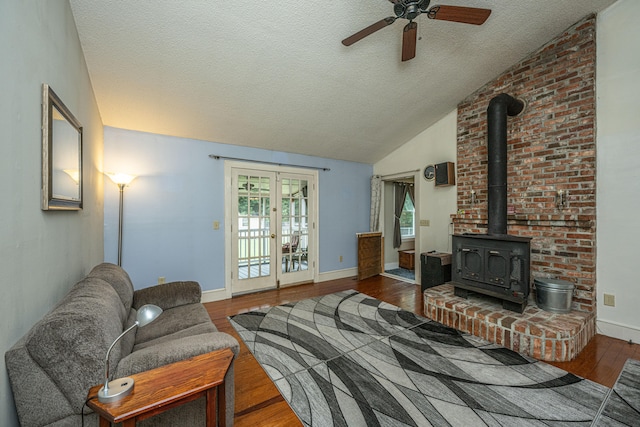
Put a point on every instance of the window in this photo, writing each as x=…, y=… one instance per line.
x=407, y=219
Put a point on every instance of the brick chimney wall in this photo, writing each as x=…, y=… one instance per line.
x=551, y=147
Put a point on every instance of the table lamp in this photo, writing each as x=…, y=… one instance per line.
x=121, y=387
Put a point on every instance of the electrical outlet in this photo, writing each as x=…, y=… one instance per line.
x=340, y=258
x=610, y=300
x=161, y=280
x=424, y=223
x=216, y=225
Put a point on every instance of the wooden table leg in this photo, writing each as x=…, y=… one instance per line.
x=222, y=405
x=211, y=406
x=104, y=422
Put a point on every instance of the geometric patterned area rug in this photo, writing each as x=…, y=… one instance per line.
x=623, y=403
x=347, y=359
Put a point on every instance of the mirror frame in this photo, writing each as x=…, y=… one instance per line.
x=53, y=145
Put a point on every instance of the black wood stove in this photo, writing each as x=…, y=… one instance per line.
x=493, y=265
x=496, y=263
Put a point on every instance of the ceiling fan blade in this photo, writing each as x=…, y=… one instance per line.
x=409, y=36
x=466, y=15
x=369, y=30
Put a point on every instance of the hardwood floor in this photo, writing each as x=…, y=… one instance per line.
x=258, y=401
x=602, y=360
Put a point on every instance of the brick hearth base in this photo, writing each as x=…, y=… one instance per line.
x=536, y=333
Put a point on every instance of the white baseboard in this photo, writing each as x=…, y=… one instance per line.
x=221, y=294
x=391, y=266
x=618, y=330
x=214, y=295
x=337, y=274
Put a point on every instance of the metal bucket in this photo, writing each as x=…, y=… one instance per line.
x=554, y=295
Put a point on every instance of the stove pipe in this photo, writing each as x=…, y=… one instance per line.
x=499, y=108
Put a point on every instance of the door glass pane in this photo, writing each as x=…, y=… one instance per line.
x=295, y=230
x=243, y=202
x=253, y=226
x=264, y=205
x=254, y=206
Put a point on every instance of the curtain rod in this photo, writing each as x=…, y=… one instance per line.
x=215, y=156
x=399, y=174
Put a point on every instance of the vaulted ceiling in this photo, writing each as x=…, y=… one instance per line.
x=275, y=75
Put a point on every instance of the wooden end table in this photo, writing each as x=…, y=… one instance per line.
x=163, y=388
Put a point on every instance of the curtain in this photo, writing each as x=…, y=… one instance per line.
x=376, y=200
x=400, y=190
x=412, y=194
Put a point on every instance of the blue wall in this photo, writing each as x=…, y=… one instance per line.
x=170, y=207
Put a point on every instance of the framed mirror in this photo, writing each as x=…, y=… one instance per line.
x=61, y=155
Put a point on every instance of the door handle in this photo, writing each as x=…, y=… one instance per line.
x=273, y=236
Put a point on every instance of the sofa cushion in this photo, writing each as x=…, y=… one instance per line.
x=199, y=329
x=118, y=279
x=29, y=385
x=168, y=295
x=71, y=341
x=173, y=320
x=173, y=351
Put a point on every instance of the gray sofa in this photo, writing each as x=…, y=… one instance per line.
x=54, y=365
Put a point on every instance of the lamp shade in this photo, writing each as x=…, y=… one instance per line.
x=147, y=314
x=121, y=178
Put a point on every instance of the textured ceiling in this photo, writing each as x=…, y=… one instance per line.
x=274, y=75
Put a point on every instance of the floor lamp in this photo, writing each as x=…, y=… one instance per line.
x=121, y=180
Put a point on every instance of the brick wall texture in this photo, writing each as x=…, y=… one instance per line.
x=551, y=147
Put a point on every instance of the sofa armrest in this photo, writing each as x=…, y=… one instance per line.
x=168, y=295
x=174, y=351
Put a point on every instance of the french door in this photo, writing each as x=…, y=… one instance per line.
x=272, y=228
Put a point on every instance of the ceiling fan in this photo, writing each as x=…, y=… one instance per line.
x=410, y=9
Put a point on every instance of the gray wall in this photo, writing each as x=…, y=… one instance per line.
x=42, y=254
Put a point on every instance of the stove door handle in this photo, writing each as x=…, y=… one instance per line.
x=494, y=253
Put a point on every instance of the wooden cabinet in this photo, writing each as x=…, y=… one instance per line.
x=369, y=254
x=406, y=259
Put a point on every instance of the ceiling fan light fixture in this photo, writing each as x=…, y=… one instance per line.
x=412, y=12
x=409, y=10
x=399, y=9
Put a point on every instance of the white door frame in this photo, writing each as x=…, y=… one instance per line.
x=417, y=184
x=313, y=260
x=266, y=239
